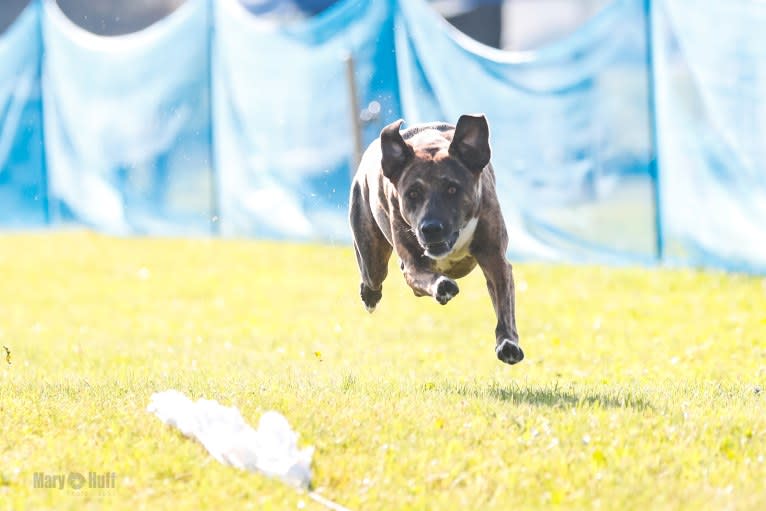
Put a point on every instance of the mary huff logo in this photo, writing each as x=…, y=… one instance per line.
x=75, y=480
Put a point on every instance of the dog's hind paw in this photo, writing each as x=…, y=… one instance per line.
x=446, y=289
x=370, y=297
x=509, y=351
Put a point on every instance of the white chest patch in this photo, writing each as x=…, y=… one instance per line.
x=460, y=250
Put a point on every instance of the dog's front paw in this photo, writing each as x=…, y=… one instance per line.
x=446, y=289
x=370, y=297
x=509, y=351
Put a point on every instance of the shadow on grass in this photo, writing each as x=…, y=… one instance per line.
x=553, y=396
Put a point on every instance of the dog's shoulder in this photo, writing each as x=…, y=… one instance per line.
x=373, y=187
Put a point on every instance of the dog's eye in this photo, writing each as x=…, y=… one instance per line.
x=413, y=194
x=452, y=189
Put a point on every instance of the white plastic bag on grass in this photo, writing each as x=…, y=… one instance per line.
x=271, y=449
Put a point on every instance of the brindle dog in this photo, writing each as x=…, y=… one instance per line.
x=428, y=193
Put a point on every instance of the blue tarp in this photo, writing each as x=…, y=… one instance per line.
x=569, y=126
x=22, y=179
x=286, y=9
x=142, y=134
x=283, y=131
x=127, y=124
x=711, y=118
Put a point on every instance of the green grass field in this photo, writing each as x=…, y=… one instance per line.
x=640, y=388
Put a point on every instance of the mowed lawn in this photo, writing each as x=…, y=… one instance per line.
x=641, y=388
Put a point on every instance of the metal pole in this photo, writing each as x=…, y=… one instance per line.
x=653, y=135
x=215, y=209
x=45, y=188
x=353, y=101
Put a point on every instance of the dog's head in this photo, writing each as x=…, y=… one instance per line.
x=437, y=180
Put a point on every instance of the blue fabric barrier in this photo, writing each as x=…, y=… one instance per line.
x=711, y=114
x=286, y=9
x=127, y=124
x=283, y=131
x=569, y=124
x=250, y=131
x=22, y=179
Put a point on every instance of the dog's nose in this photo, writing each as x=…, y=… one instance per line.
x=432, y=230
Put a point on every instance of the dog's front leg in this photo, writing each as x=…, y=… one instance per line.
x=499, y=274
x=418, y=272
x=425, y=282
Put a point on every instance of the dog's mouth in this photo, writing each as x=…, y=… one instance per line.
x=442, y=248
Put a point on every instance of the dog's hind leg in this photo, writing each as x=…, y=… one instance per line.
x=373, y=266
x=372, y=250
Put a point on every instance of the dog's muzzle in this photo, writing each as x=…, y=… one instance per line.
x=439, y=250
x=434, y=238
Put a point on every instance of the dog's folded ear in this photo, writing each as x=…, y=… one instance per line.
x=470, y=143
x=396, y=153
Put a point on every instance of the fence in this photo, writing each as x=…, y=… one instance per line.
x=639, y=137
